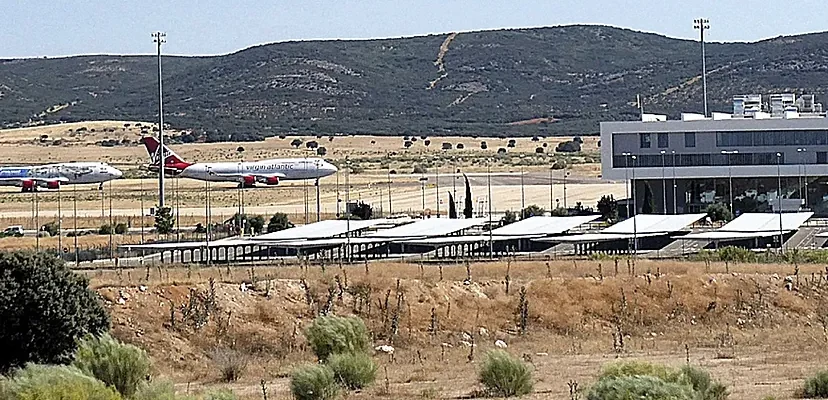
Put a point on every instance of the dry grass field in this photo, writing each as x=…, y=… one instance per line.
x=737, y=321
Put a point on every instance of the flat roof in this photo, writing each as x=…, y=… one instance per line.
x=186, y=245
x=447, y=240
x=596, y=237
x=543, y=226
x=429, y=227
x=324, y=229
x=720, y=235
x=331, y=242
x=766, y=222
x=654, y=223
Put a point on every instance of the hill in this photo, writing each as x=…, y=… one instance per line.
x=558, y=80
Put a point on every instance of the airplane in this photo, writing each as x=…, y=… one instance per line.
x=246, y=174
x=52, y=176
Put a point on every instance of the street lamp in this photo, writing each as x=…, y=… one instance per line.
x=663, y=182
x=522, y=192
x=347, y=209
x=730, y=176
x=675, y=200
x=635, y=228
x=565, y=174
x=160, y=38
x=207, y=215
x=437, y=189
x=390, y=212
x=703, y=24
x=802, y=159
x=318, y=200
x=489, y=186
x=551, y=194
x=779, y=198
x=627, y=182
x=423, y=181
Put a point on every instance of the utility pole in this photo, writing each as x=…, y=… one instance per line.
x=160, y=38
x=75, y=220
x=111, y=226
x=703, y=24
x=437, y=191
x=390, y=212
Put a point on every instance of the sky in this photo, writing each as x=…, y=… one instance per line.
x=201, y=27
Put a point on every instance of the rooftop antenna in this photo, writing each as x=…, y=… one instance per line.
x=640, y=106
x=159, y=38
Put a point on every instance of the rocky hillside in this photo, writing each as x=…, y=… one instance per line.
x=560, y=80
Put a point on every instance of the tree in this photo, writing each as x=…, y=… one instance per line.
x=321, y=151
x=532, y=211
x=508, y=217
x=447, y=146
x=296, y=142
x=278, y=222
x=467, y=208
x=539, y=150
x=122, y=366
x=649, y=204
x=163, y=220
x=312, y=144
x=45, y=308
x=608, y=207
x=362, y=211
x=452, y=207
x=460, y=146
x=240, y=149
x=255, y=224
x=568, y=147
x=51, y=228
x=427, y=142
x=483, y=146
x=718, y=212
x=407, y=144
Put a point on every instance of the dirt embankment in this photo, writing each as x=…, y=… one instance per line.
x=580, y=315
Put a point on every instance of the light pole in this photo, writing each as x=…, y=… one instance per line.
x=160, y=38
x=675, y=200
x=75, y=220
x=437, y=191
x=489, y=186
x=566, y=174
x=635, y=227
x=318, y=199
x=730, y=176
x=111, y=225
x=779, y=198
x=338, y=199
x=60, y=226
x=37, y=218
x=390, y=212
x=143, y=210
x=802, y=159
x=551, y=193
x=627, y=183
x=522, y=192
x=347, y=209
x=422, y=187
x=703, y=24
x=663, y=182
x=207, y=214
x=305, y=186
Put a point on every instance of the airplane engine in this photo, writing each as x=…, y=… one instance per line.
x=272, y=180
x=28, y=185
x=249, y=181
x=53, y=185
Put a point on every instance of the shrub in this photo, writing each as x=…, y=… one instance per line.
x=638, y=387
x=232, y=363
x=51, y=228
x=278, y=222
x=333, y=335
x=636, y=368
x=121, y=228
x=313, y=382
x=718, y=212
x=156, y=390
x=703, y=385
x=419, y=169
x=105, y=229
x=504, y=375
x=122, y=366
x=52, y=382
x=353, y=371
x=816, y=386
x=221, y=394
x=44, y=309
x=256, y=223
x=164, y=220
x=509, y=217
x=532, y=211
x=568, y=147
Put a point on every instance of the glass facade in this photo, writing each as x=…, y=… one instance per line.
x=696, y=160
x=663, y=140
x=772, y=138
x=690, y=139
x=644, y=140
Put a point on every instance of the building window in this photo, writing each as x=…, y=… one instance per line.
x=690, y=139
x=644, y=138
x=822, y=157
x=663, y=140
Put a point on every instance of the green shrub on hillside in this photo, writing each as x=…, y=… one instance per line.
x=44, y=309
x=353, y=371
x=313, y=382
x=642, y=380
x=504, y=375
x=52, y=382
x=221, y=394
x=122, y=366
x=816, y=387
x=628, y=387
x=334, y=335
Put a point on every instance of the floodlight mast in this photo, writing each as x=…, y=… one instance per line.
x=703, y=24
x=160, y=38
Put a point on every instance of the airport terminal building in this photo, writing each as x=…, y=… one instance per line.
x=770, y=146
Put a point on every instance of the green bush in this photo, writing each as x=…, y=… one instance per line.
x=635, y=379
x=221, y=394
x=105, y=229
x=44, y=308
x=51, y=228
x=52, y=382
x=278, y=222
x=353, y=371
x=504, y=375
x=816, y=387
x=122, y=366
x=334, y=335
x=313, y=382
x=736, y=254
x=719, y=212
x=638, y=387
x=121, y=228
x=156, y=390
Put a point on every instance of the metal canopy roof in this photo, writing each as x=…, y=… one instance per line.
x=596, y=237
x=543, y=226
x=186, y=245
x=654, y=223
x=766, y=222
x=447, y=240
x=321, y=230
x=429, y=228
x=720, y=235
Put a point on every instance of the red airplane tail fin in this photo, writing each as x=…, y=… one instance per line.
x=171, y=160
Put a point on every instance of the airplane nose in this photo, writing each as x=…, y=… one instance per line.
x=115, y=172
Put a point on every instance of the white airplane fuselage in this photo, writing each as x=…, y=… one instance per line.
x=54, y=175
x=276, y=169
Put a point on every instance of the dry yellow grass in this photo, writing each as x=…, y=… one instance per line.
x=738, y=322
